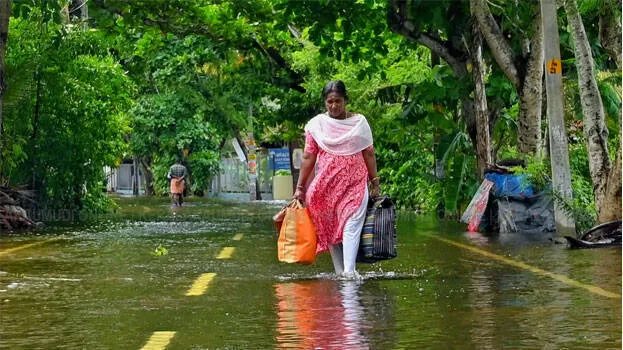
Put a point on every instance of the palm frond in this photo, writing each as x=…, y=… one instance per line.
x=446, y=149
x=20, y=89
x=454, y=184
x=584, y=219
x=611, y=100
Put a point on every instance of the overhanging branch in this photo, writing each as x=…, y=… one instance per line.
x=500, y=48
x=399, y=24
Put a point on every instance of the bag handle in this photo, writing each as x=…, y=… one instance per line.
x=378, y=201
x=295, y=203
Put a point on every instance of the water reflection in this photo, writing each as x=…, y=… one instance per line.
x=538, y=309
x=320, y=314
x=483, y=299
x=477, y=238
x=435, y=295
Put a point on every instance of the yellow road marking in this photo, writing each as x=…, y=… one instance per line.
x=226, y=253
x=536, y=270
x=201, y=284
x=158, y=340
x=238, y=237
x=25, y=246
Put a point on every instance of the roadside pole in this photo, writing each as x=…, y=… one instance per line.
x=135, y=189
x=559, y=147
x=252, y=159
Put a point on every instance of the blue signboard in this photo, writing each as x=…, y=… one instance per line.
x=279, y=158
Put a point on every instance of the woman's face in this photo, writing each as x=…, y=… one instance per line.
x=335, y=104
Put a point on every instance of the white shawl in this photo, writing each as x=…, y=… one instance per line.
x=341, y=137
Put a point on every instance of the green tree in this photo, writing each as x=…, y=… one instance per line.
x=66, y=115
x=5, y=14
x=169, y=125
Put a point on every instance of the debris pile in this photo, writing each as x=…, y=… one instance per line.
x=12, y=203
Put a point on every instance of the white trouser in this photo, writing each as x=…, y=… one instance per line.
x=344, y=255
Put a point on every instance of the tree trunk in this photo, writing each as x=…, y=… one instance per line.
x=610, y=38
x=483, y=144
x=526, y=82
x=531, y=95
x=5, y=15
x=135, y=178
x=595, y=129
x=84, y=11
x=149, y=176
x=611, y=209
x=35, y=126
x=610, y=33
x=468, y=114
x=543, y=152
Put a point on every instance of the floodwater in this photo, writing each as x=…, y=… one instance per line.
x=101, y=285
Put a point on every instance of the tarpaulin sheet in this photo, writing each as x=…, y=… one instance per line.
x=510, y=185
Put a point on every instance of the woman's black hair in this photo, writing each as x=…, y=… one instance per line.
x=334, y=86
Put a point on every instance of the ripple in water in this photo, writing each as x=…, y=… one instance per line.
x=369, y=275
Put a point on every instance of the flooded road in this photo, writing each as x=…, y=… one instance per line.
x=206, y=276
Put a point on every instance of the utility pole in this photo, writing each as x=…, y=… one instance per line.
x=559, y=148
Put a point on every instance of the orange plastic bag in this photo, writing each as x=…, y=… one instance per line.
x=278, y=218
x=297, y=238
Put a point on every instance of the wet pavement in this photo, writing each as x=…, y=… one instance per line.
x=206, y=276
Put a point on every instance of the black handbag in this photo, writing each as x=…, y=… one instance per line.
x=378, y=236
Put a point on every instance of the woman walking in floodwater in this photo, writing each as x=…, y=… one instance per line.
x=177, y=177
x=340, y=142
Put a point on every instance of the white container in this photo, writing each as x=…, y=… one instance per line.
x=282, y=187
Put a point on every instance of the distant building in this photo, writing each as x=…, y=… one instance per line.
x=233, y=179
x=121, y=180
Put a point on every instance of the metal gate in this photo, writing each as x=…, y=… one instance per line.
x=233, y=179
x=121, y=179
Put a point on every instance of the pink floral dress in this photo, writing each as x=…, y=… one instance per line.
x=335, y=193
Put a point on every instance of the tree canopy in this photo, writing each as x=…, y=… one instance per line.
x=157, y=79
